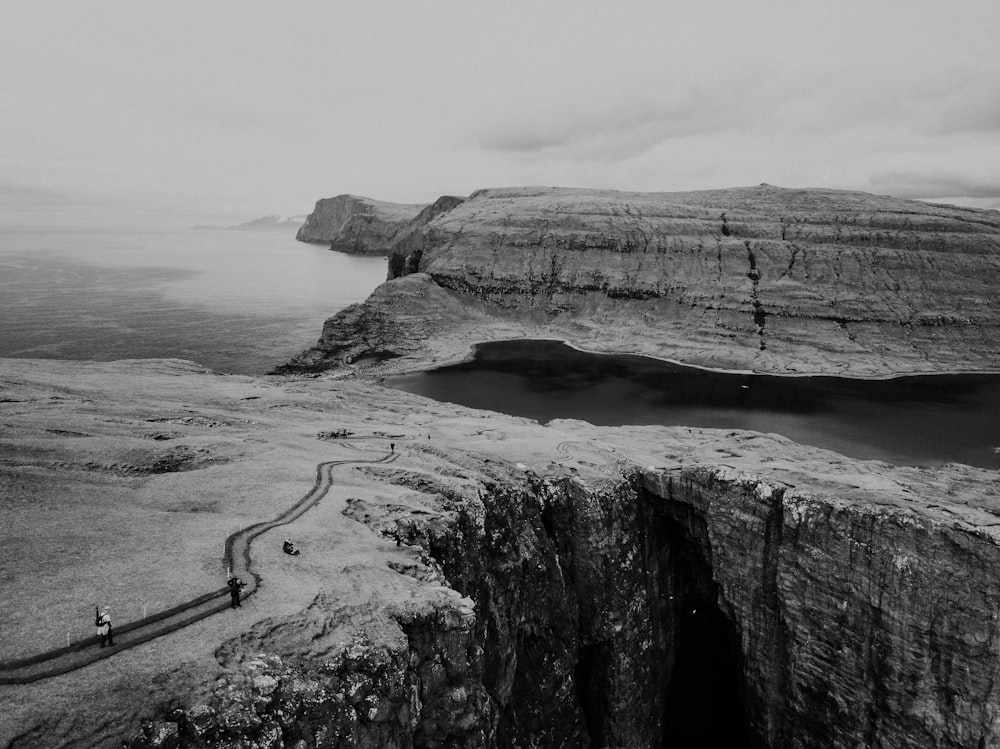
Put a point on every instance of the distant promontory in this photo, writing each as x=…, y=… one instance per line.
x=273, y=222
x=351, y=223
x=769, y=279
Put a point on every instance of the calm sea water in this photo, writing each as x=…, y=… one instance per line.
x=235, y=301
x=926, y=420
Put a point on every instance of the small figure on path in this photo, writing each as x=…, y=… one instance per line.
x=103, y=622
x=392, y=447
x=235, y=586
x=289, y=548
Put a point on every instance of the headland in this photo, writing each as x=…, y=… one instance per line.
x=503, y=582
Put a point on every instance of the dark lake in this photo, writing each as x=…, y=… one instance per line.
x=919, y=420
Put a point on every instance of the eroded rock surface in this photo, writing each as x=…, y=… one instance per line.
x=395, y=321
x=351, y=223
x=499, y=583
x=782, y=602
x=763, y=278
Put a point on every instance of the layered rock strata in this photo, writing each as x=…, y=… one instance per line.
x=498, y=583
x=707, y=604
x=764, y=278
x=350, y=223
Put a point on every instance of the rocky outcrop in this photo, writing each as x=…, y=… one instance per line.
x=861, y=621
x=272, y=222
x=489, y=581
x=705, y=605
x=409, y=244
x=350, y=223
x=843, y=617
x=421, y=690
x=393, y=322
x=763, y=278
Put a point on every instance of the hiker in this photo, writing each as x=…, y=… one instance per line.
x=235, y=586
x=289, y=548
x=103, y=622
x=392, y=447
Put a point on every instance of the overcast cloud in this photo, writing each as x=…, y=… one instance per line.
x=239, y=109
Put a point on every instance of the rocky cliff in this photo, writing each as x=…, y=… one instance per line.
x=482, y=580
x=690, y=605
x=763, y=278
x=350, y=223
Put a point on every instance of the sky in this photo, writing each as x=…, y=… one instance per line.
x=201, y=111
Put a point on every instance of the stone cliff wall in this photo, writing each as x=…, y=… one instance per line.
x=861, y=622
x=767, y=267
x=350, y=223
x=422, y=689
x=409, y=244
x=568, y=645
x=766, y=278
x=393, y=322
x=698, y=605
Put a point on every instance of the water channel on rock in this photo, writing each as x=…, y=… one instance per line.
x=917, y=420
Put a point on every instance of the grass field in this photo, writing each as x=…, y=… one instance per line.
x=118, y=486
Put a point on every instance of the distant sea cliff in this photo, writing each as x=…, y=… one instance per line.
x=273, y=222
x=351, y=223
x=803, y=281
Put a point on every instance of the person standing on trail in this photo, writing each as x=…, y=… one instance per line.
x=104, y=628
x=235, y=586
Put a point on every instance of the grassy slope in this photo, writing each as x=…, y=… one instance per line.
x=82, y=522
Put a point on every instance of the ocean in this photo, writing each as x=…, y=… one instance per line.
x=234, y=301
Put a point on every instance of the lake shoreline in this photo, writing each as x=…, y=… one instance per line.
x=927, y=419
x=471, y=355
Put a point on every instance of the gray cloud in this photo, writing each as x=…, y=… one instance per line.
x=626, y=126
x=29, y=196
x=973, y=107
x=930, y=184
x=246, y=109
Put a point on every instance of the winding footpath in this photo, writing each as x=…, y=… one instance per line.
x=84, y=652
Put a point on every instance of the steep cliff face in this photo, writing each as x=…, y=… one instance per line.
x=356, y=224
x=486, y=581
x=730, y=607
x=862, y=621
x=409, y=244
x=697, y=606
x=393, y=322
x=566, y=637
x=420, y=689
x=765, y=278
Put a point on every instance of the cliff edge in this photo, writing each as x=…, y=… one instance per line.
x=351, y=223
x=760, y=278
x=478, y=580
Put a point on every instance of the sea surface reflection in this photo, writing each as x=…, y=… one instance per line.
x=920, y=420
x=235, y=301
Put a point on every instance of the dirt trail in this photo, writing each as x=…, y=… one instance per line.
x=84, y=652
